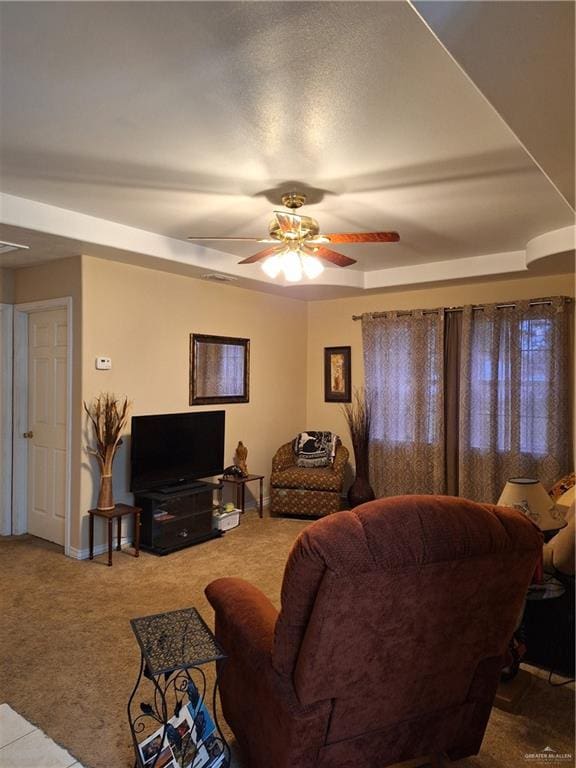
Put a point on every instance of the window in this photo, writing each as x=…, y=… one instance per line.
x=511, y=379
x=461, y=405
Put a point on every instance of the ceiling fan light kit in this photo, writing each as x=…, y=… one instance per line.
x=293, y=263
x=297, y=248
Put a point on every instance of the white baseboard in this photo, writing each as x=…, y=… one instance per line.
x=254, y=506
x=99, y=549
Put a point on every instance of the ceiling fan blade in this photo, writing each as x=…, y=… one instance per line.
x=288, y=222
x=333, y=257
x=364, y=237
x=260, y=255
x=237, y=239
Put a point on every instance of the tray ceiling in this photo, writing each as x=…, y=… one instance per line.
x=181, y=119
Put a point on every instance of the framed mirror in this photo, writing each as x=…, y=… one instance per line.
x=219, y=369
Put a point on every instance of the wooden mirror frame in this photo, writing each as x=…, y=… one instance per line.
x=198, y=338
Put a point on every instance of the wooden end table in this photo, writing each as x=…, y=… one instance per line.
x=109, y=514
x=240, y=485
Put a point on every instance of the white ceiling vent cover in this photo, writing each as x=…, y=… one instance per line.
x=216, y=277
x=6, y=247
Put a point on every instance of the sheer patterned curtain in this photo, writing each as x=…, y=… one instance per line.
x=514, y=396
x=403, y=365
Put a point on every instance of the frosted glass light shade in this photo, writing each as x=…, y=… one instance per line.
x=312, y=266
x=272, y=266
x=292, y=266
x=529, y=496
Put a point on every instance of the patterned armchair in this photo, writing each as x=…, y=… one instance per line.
x=304, y=491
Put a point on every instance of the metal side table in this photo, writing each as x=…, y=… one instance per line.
x=171, y=725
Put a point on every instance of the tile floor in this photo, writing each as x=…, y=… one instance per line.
x=22, y=745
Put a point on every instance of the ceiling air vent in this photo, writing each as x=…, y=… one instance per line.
x=216, y=277
x=7, y=247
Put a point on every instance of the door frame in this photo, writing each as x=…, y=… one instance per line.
x=6, y=326
x=20, y=417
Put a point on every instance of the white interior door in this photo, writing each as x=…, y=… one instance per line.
x=5, y=419
x=47, y=423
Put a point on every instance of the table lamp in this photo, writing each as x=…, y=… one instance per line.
x=529, y=496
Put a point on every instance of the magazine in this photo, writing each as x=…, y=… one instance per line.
x=189, y=739
x=181, y=746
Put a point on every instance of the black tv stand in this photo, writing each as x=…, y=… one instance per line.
x=173, y=520
x=169, y=489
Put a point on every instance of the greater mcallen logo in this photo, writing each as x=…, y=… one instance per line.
x=548, y=754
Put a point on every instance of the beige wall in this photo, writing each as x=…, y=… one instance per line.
x=330, y=324
x=6, y=286
x=143, y=318
x=55, y=280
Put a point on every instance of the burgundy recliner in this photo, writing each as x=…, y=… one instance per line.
x=395, y=618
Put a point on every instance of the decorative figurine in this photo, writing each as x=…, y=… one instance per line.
x=240, y=458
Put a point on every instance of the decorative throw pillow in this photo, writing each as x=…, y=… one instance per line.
x=562, y=485
x=566, y=501
x=559, y=551
x=315, y=449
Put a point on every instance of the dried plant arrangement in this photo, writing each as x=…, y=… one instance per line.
x=109, y=416
x=358, y=415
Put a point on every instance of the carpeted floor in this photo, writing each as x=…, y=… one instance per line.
x=70, y=658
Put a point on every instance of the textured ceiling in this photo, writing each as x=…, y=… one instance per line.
x=192, y=118
x=521, y=56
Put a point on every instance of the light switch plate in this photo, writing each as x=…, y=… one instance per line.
x=103, y=363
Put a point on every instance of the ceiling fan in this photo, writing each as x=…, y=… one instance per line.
x=296, y=247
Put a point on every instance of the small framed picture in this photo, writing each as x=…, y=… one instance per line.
x=337, y=375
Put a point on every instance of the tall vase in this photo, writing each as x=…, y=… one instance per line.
x=105, y=498
x=360, y=491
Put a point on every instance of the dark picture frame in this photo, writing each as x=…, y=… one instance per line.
x=337, y=374
x=219, y=369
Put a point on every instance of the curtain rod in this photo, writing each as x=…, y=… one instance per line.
x=535, y=303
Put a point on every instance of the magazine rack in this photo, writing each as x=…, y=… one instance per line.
x=173, y=728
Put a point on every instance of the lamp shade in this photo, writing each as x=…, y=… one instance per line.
x=529, y=496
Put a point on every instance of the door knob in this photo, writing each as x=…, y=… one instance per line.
x=28, y=435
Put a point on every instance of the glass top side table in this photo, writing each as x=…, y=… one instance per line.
x=173, y=647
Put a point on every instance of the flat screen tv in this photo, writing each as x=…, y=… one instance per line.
x=175, y=448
